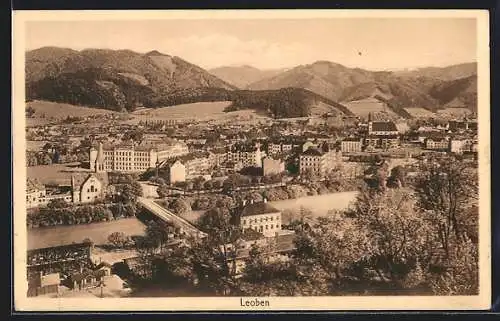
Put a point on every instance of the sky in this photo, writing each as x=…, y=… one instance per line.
x=369, y=43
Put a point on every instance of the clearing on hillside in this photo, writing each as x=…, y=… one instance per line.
x=50, y=110
x=202, y=111
x=454, y=112
x=419, y=112
x=365, y=106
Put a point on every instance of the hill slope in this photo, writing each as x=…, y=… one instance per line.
x=443, y=73
x=421, y=88
x=113, y=79
x=242, y=76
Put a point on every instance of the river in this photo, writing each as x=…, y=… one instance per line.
x=320, y=205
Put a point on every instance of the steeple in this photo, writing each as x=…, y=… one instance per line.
x=100, y=159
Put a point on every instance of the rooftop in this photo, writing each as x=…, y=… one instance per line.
x=378, y=126
x=313, y=151
x=258, y=209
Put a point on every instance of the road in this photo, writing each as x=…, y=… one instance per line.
x=168, y=216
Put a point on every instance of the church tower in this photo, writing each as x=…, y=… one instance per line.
x=99, y=163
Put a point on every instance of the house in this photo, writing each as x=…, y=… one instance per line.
x=39, y=284
x=249, y=156
x=88, y=188
x=351, y=145
x=318, y=162
x=35, y=193
x=260, y=217
x=176, y=172
x=382, y=128
x=437, y=143
x=86, y=279
x=272, y=166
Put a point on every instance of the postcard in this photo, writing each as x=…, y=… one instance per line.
x=251, y=160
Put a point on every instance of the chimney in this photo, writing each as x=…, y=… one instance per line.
x=265, y=200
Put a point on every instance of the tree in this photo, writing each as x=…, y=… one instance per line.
x=57, y=203
x=397, y=177
x=118, y=239
x=399, y=236
x=180, y=206
x=158, y=234
x=445, y=190
x=163, y=191
x=88, y=240
x=214, y=257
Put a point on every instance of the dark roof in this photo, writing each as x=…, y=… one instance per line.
x=352, y=139
x=251, y=235
x=257, y=209
x=312, y=151
x=383, y=136
x=79, y=178
x=383, y=126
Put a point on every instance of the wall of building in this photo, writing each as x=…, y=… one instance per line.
x=268, y=224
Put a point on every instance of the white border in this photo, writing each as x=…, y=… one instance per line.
x=22, y=303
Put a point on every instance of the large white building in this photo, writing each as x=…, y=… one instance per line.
x=248, y=156
x=318, y=162
x=130, y=158
x=261, y=217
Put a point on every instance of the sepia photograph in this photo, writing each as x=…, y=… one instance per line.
x=251, y=160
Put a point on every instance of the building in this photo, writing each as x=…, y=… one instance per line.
x=190, y=166
x=318, y=162
x=459, y=146
x=176, y=172
x=437, y=143
x=382, y=134
x=131, y=158
x=281, y=147
x=382, y=142
x=351, y=145
x=272, y=166
x=260, y=217
x=382, y=128
x=248, y=156
x=35, y=194
x=40, y=283
x=89, y=187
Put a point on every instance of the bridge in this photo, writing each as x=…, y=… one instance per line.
x=167, y=216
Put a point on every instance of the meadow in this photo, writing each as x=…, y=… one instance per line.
x=203, y=111
x=46, y=110
x=419, y=112
x=363, y=107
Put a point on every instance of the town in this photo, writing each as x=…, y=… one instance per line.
x=114, y=207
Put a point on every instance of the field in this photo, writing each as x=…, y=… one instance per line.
x=54, y=111
x=57, y=173
x=203, y=111
x=454, y=112
x=363, y=107
x=419, y=112
x=97, y=232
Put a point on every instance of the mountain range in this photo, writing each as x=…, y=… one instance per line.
x=123, y=80
x=242, y=76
